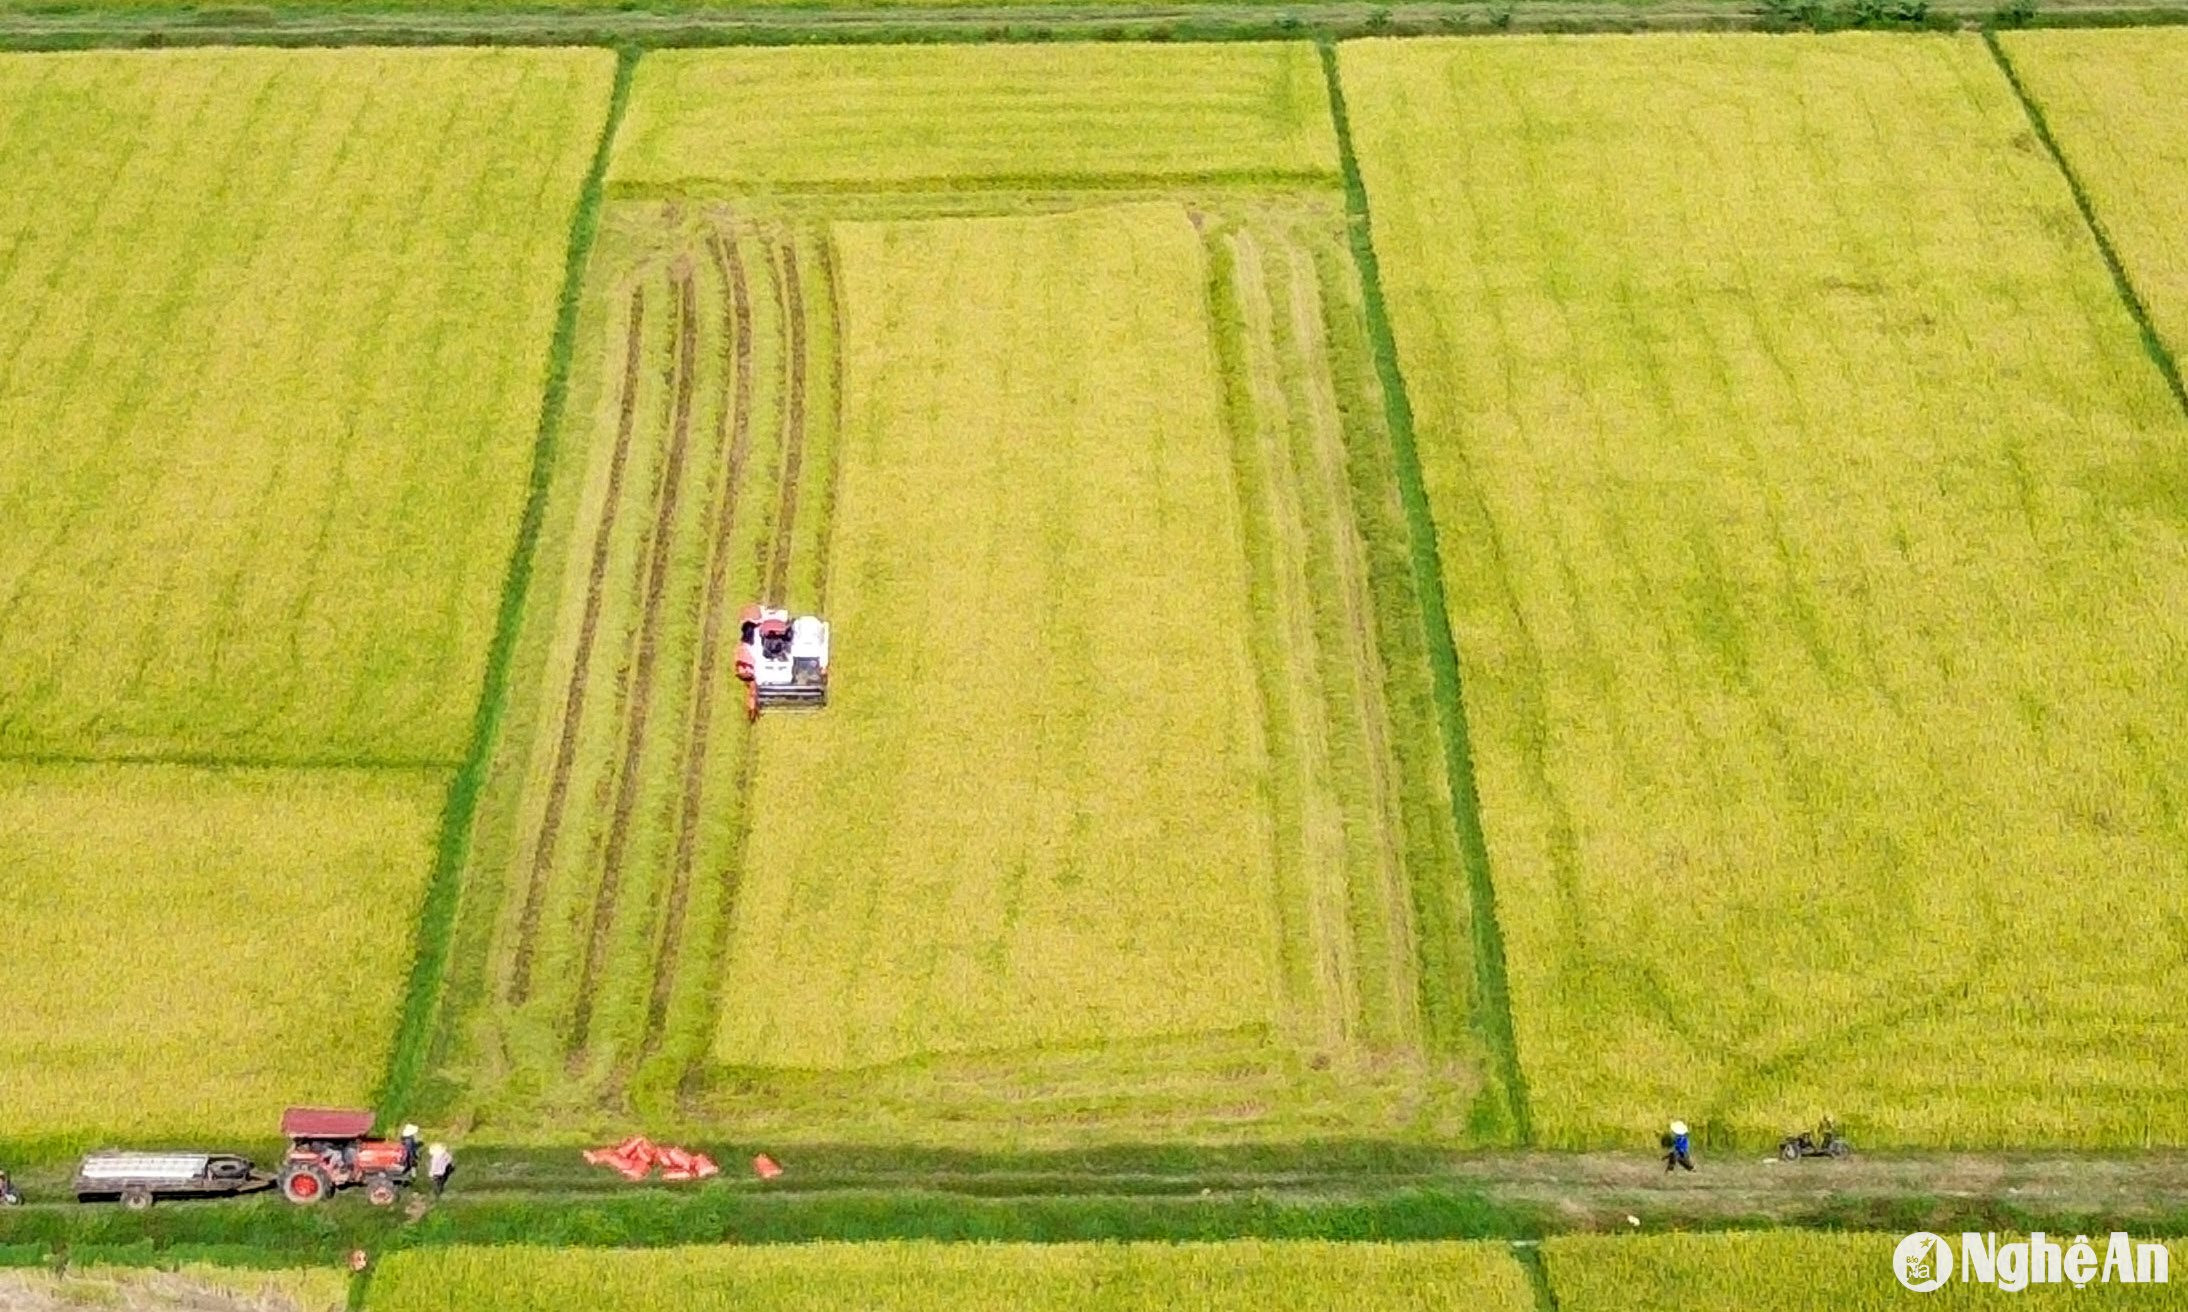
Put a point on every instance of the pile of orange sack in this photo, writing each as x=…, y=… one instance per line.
x=635, y=1158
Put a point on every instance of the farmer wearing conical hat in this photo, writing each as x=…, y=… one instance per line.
x=1675, y=1145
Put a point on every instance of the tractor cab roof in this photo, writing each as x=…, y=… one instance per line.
x=326, y=1123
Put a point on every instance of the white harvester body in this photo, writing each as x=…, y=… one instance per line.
x=783, y=660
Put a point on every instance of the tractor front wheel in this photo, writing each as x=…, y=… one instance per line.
x=1789, y=1150
x=305, y=1183
x=380, y=1191
x=1840, y=1148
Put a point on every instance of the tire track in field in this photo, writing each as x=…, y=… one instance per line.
x=573, y=708
x=786, y=514
x=649, y=651
x=736, y=417
x=825, y=254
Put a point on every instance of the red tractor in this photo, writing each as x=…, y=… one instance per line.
x=330, y=1150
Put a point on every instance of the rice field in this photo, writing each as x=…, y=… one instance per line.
x=901, y=1277
x=2112, y=100
x=1809, y=519
x=273, y=329
x=1111, y=808
x=193, y=1288
x=1796, y=1271
x=956, y=116
x=190, y=951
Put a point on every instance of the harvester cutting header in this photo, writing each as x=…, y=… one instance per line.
x=783, y=661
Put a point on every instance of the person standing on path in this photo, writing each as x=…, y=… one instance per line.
x=1675, y=1144
x=439, y=1165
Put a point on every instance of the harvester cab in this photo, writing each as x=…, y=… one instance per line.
x=783, y=661
x=332, y=1149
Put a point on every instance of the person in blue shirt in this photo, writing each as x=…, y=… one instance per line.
x=1675, y=1145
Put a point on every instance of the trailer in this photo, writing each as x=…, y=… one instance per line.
x=138, y=1179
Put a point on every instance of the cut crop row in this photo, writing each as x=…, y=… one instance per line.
x=617, y=791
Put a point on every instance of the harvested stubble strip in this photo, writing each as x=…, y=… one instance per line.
x=734, y=432
x=640, y=713
x=620, y=927
x=579, y=683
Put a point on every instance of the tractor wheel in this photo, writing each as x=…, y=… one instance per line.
x=1841, y=1148
x=380, y=1191
x=1789, y=1150
x=305, y=1183
x=136, y=1198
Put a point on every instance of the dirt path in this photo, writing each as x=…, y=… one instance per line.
x=573, y=709
x=1598, y=1190
x=649, y=652
x=769, y=23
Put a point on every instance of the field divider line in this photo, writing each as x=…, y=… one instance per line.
x=649, y=654
x=2152, y=344
x=437, y=915
x=1528, y=1253
x=1493, y=1004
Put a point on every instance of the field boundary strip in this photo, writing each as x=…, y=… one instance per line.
x=88, y=27
x=437, y=917
x=1493, y=1002
x=2122, y=281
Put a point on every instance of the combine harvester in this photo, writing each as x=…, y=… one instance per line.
x=783, y=661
